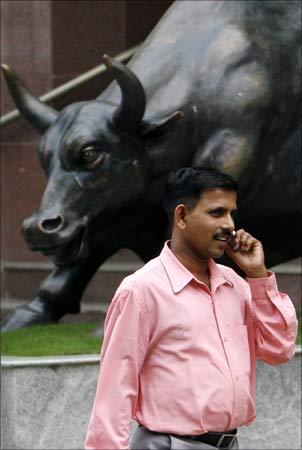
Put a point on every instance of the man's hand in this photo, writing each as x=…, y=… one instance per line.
x=248, y=254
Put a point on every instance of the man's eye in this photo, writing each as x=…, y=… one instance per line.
x=216, y=213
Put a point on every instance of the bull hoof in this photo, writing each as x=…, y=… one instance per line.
x=26, y=316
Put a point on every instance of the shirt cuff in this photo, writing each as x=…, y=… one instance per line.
x=263, y=289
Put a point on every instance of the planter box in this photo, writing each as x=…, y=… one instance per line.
x=46, y=403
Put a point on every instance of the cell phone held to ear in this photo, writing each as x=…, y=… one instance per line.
x=235, y=246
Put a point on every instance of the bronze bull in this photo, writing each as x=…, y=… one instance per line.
x=215, y=84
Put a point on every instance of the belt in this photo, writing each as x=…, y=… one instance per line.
x=219, y=440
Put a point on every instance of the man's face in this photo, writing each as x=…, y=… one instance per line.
x=205, y=229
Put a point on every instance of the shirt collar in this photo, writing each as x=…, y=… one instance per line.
x=217, y=275
x=180, y=276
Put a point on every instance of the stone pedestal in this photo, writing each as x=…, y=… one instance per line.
x=46, y=404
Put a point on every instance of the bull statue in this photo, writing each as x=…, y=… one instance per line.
x=217, y=83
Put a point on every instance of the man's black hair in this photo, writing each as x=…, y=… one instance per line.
x=187, y=184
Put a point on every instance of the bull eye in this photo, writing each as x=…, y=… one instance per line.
x=91, y=157
x=89, y=154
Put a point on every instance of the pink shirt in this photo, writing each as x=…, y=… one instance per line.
x=180, y=358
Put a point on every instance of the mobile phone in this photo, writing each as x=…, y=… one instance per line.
x=233, y=244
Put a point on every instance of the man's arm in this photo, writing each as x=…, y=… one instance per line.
x=275, y=319
x=123, y=352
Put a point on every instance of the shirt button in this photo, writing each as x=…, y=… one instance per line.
x=225, y=339
x=237, y=378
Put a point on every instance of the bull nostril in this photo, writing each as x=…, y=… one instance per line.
x=51, y=225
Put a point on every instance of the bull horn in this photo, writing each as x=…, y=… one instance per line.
x=131, y=110
x=37, y=113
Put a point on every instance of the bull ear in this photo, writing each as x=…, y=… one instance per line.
x=37, y=113
x=130, y=112
x=155, y=129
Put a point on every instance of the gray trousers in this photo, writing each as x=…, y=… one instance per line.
x=143, y=439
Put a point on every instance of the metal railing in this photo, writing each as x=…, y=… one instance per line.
x=71, y=85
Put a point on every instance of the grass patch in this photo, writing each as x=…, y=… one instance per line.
x=61, y=339
x=50, y=340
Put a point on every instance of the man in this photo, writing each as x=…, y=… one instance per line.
x=183, y=333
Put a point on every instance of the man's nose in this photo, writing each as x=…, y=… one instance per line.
x=229, y=223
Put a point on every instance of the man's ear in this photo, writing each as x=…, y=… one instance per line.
x=180, y=213
x=150, y=130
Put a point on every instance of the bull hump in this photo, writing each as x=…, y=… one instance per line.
x=195, y=38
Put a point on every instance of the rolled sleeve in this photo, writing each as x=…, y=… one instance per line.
x=275, y=321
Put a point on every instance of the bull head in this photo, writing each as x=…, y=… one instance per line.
x=94, y=156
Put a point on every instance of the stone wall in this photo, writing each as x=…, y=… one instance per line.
x=46, y=404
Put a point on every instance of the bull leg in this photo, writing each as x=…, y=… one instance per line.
x=58, y=295
x=62, y=290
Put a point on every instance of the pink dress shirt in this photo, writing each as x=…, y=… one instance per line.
x=179, y=358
